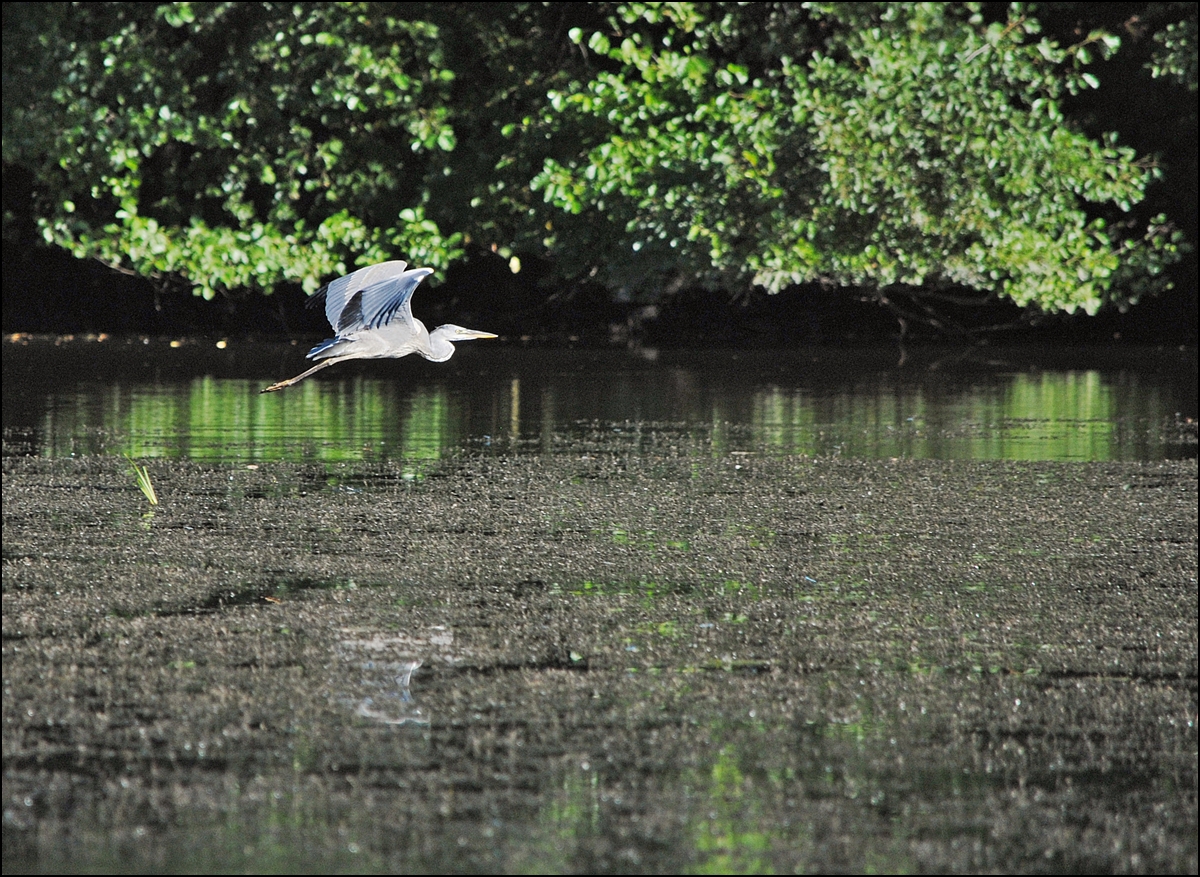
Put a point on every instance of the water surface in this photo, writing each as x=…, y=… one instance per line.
x=149, y=398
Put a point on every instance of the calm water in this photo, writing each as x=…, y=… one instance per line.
x=194, y=400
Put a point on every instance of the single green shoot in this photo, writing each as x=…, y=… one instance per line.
x=143, y=481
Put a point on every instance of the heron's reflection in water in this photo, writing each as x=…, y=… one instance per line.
x=379, y=687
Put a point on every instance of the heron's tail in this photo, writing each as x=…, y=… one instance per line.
x=325, y=349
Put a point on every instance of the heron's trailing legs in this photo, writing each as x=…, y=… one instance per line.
x=298, y=378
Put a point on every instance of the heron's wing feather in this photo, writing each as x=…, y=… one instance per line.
x=318, y=297
x=383, y=301
x=352, y=315
x=337, y=293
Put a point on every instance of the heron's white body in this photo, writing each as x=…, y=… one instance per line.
x=396, y=340
x=371, y=313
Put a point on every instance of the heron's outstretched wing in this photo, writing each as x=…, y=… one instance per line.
x=337, y=294
x=382, y=301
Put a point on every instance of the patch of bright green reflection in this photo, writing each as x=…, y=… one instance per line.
x=1053, y=416
x=221, y=419
x=733, y=800
x=1070, y=415
x=731, y=832
x=730, y=838
x=571, y=817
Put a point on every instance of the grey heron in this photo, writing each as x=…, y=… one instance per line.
x=371, y=315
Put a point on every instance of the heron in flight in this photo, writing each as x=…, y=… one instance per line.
x=371, y=314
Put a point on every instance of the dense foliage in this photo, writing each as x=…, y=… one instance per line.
x=648, y=146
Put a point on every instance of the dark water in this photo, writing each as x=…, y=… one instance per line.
x=194, y=400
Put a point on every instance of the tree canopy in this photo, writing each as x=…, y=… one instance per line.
x=643, y=146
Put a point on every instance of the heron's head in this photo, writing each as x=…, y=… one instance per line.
x=440, y=346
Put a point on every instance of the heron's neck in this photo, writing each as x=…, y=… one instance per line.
x=439, y=348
